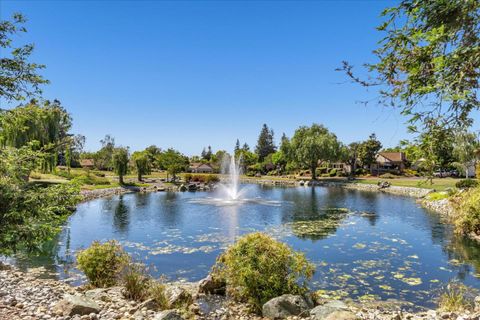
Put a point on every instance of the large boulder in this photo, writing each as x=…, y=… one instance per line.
x=323, y=311
x=99, y=294
x=286, y=306
x=168, y=315
x=212, y=285
x=72, y=305
x=177, y=296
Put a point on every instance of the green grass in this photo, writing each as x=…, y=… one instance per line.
x=438, y=184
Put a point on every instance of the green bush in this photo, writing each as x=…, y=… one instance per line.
x=35, y=175
x=102, y=263
x=258, y=268
x=466, y=184
x=360, y=171
x=136, y=281
x=156, y=291
x=456, y=297
x=332, y=172
x=468, y=210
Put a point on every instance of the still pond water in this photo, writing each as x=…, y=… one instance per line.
x=365, y=245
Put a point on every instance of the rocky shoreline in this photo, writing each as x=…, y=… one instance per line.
x=22, y=296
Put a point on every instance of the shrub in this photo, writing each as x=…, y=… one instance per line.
x=468, y=209
x=466, y=184
x=360, y=171
x=477, y=170
x=102, y=263
x=258, y=268
x=211, y=178
x=156, y=291
x=455, y=297
x=136, y=281
x=332, y=173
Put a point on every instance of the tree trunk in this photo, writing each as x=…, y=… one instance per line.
x=139, y=176
x=120, y=179
x=314, y=174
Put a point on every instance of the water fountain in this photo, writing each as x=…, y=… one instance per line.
x=229, y=191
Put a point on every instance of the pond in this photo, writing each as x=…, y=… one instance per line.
x=365, y=245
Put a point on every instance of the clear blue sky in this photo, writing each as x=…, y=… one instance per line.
x=191, y=74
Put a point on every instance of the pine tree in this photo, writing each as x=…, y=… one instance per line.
x=265, y=144
x=237, y=146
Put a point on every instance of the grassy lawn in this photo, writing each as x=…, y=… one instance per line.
x=438, y=184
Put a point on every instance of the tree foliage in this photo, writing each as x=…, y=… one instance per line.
x=172, y=161
x=120, y=162
x=310, y=145
x=465, y=149
x=265, y=143
x=19, y=78
x=142, y=163
x=428, y=60
x=367, y=150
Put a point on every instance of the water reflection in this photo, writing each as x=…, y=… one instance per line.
x=121, y=217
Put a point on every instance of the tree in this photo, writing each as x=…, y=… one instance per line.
x=237, y=146
x=46, y=125
x=29, y=214
x=246, y=158
x=172, y=161
x=30, y=136
x=207, y=154
x=428, y=61
x=367, y=151
x=152, y=152
x=265, y=144
x=465, y=150
x=246, y=147
x=436, y=145
x=120, y=162
x=142, y=163
x=19, y=78
x=310, y=145
x=104, y=157
x=350, y=156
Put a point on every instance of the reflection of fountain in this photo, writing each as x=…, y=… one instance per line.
x=230, y=193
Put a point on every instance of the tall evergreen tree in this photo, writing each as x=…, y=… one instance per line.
x=265, y=144
x=237, y=146
x=245, y=147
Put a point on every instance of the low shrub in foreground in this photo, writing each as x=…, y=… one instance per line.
x=91, y=180
x=468, y=211
x=102, y=263
x=456, y=297
x=136, y=281
x=466, y=184
x=258, y=268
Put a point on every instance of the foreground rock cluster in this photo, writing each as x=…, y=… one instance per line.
x=23, y=296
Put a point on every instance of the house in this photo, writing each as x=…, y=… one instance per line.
x=87, y=163
x=197, y=167
x=394, y=162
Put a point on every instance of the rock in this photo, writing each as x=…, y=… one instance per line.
x=211, y=285
x=148, y=304
x=177, y=296
x=477, y=303
x=323, y=311
x=182, y=188
x=341, y=315
x=168, y=315
x=285, y=306
x=76, y=305
x=301, y=183
x=97, y=294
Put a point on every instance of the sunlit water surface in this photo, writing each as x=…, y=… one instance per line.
x=364, y=245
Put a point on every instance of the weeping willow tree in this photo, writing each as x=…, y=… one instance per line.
x=120, y=162
x=43, y=125
x=142, y=163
